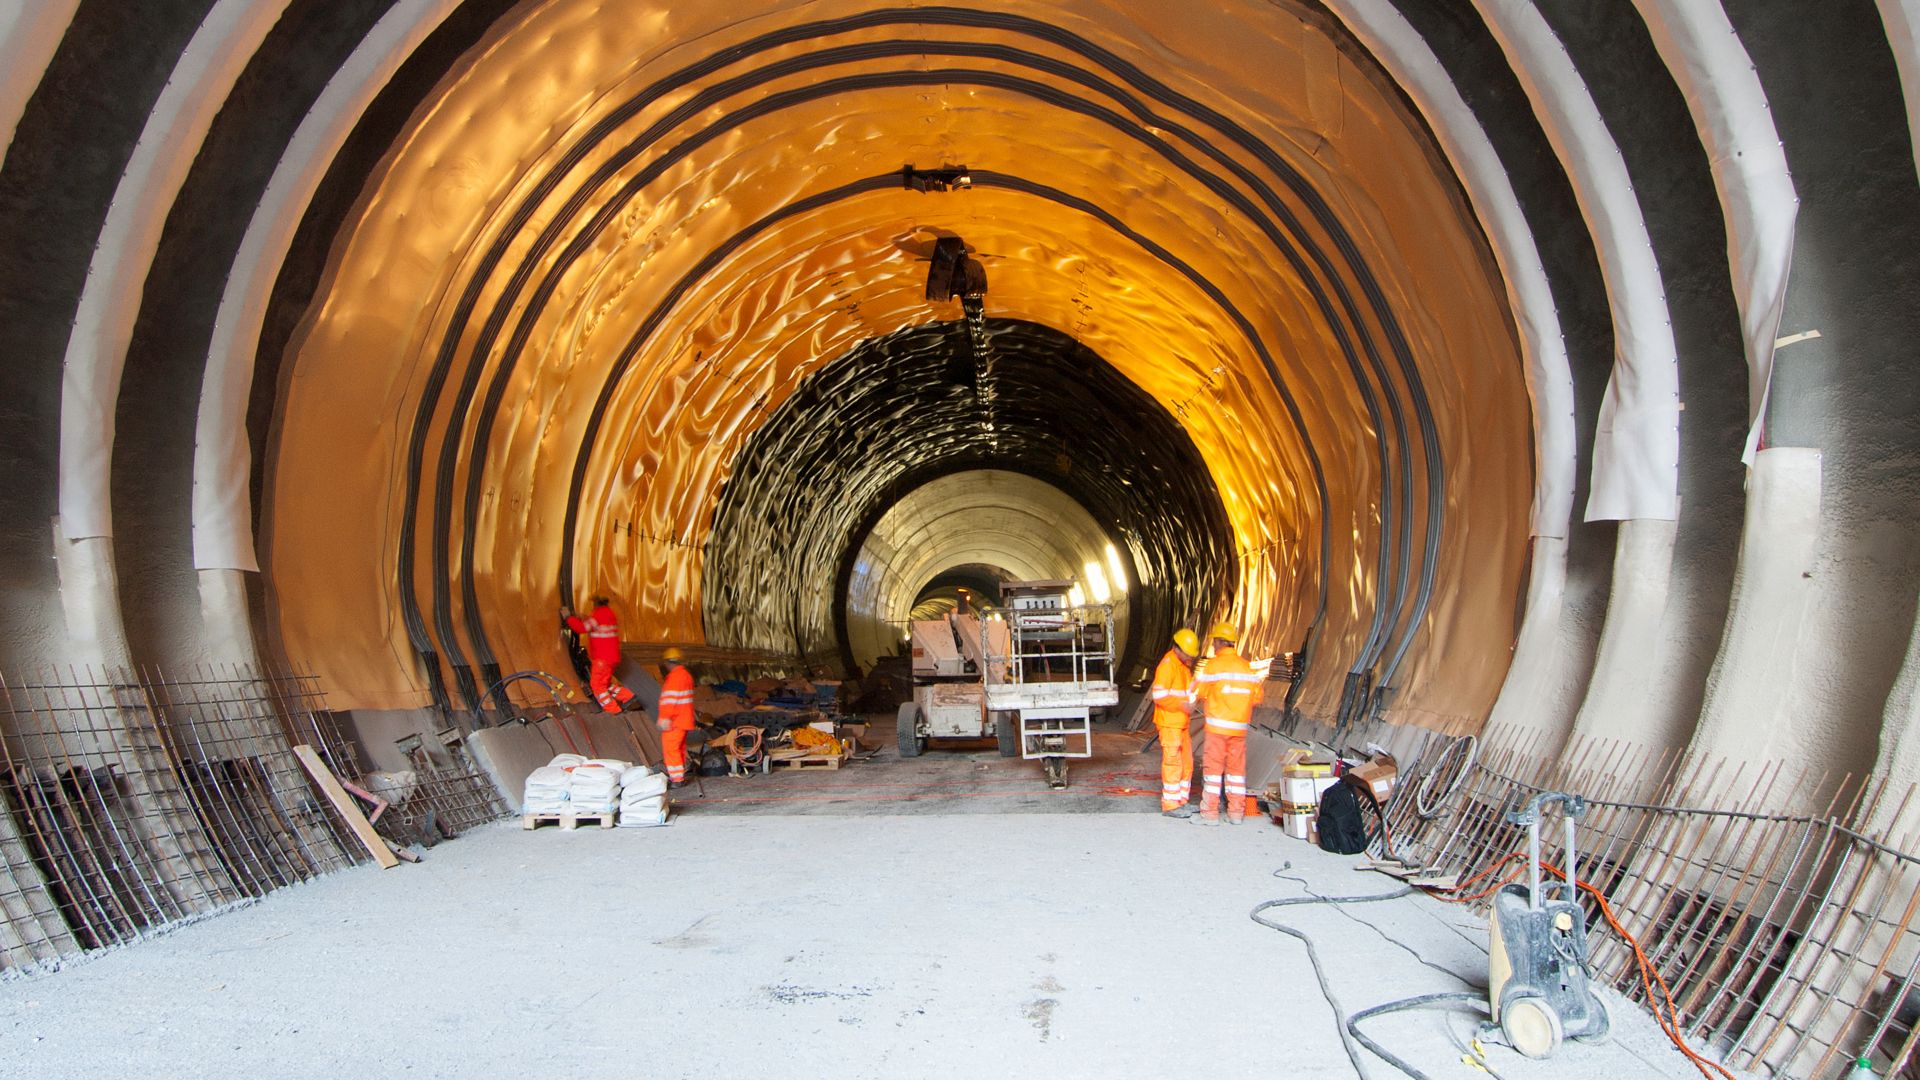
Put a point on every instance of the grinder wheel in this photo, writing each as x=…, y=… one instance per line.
x=1531, y=1025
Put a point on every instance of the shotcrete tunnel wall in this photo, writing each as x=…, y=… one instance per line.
x=1359, y=408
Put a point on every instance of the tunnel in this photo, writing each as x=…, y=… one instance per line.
x=1433, y=344
x=1538, y=369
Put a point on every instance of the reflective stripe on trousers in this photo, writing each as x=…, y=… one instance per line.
x=1176, y=764
x=1226, y=771
x=673, y=747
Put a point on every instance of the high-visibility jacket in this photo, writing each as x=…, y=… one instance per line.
x=676, y=699
x=1172, y=689
x=1230, y=688
x=603, y=634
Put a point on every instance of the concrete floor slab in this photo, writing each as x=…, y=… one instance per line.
x=774, y=944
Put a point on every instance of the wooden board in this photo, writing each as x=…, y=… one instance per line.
x=811, y=761
x=343, y=802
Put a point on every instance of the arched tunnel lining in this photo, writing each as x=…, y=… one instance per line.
x=1393, y=623
x=1380, y=596
x=903, y=410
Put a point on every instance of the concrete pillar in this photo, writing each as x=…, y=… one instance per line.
x=226, y=619
x=1748, y=712
x=1535, y=696
x=89, y=595
x=1616, y=705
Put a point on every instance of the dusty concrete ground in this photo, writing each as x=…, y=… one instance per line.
x=964, y=933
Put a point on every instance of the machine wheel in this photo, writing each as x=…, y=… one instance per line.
x=1531, y=1025
x=1603, y=1023
x=911, y=741
x=1006, y=726
x=1056, y=771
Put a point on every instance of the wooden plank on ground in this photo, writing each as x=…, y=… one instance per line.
x=343, y=802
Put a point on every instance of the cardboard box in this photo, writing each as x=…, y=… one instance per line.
x=1376, y=776
x=1297, y=825
x=1305, y=789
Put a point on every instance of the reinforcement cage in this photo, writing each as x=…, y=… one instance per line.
x=134, y=799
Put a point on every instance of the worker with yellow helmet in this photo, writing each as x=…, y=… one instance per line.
x=1229, y=688
x=1172, y=698
x=676, y=713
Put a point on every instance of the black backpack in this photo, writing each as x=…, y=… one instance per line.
x=1342, y=829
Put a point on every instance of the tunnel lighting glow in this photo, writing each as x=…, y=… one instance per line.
x=1097, y=583
x=1076, y=596
x=1118, y=570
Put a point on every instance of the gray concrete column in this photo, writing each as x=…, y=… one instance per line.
x=1617, y=701
x=1748, y=714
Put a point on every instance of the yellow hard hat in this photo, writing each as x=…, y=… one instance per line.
x=1225, y=631
x=673, y=653
x=1184, y=640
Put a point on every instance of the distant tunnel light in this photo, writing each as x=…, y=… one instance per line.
x=1076, y=596
x=1118, y=570
x=1097, y=583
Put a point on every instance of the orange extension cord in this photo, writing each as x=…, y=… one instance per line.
x=1669, y=1016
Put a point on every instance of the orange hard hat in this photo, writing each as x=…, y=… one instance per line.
x=673, y=654
x=1186, y=642
x=1225, y=631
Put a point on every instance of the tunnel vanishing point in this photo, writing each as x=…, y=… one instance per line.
x=1543, y=364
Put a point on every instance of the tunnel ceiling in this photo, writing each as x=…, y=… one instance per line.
x=597, y=265
x=902, y=410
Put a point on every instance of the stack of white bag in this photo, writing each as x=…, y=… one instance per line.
x=593, y=786
x=546, y=790
x=643, y=797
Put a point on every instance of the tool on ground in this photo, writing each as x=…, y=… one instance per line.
x=1537, y=961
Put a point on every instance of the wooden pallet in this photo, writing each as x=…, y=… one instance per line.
x=569, y=820
x=812, y=761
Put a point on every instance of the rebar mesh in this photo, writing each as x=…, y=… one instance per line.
x=1788, y=941
x=136, y=798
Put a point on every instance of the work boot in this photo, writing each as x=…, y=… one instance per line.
x=1235, y=819
x=1179, y=812
x=1206, y=819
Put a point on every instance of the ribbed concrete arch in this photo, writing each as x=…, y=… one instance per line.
x=223, y=462
x=29, y=33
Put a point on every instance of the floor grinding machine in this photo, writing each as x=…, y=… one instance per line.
x=1537, y=965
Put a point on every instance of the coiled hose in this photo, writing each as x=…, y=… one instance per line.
x=744, y=744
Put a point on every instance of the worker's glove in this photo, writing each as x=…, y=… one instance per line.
x=566, y=612
x=665, y=726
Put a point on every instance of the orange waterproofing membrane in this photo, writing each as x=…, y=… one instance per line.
x=807, y=289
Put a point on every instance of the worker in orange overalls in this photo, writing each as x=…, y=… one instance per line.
x=676, y=714
x=1172, y=697
x=603, y=651
x=1229, y=689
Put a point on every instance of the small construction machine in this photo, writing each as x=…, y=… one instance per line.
x=1537, y=966
x=1033, y=676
